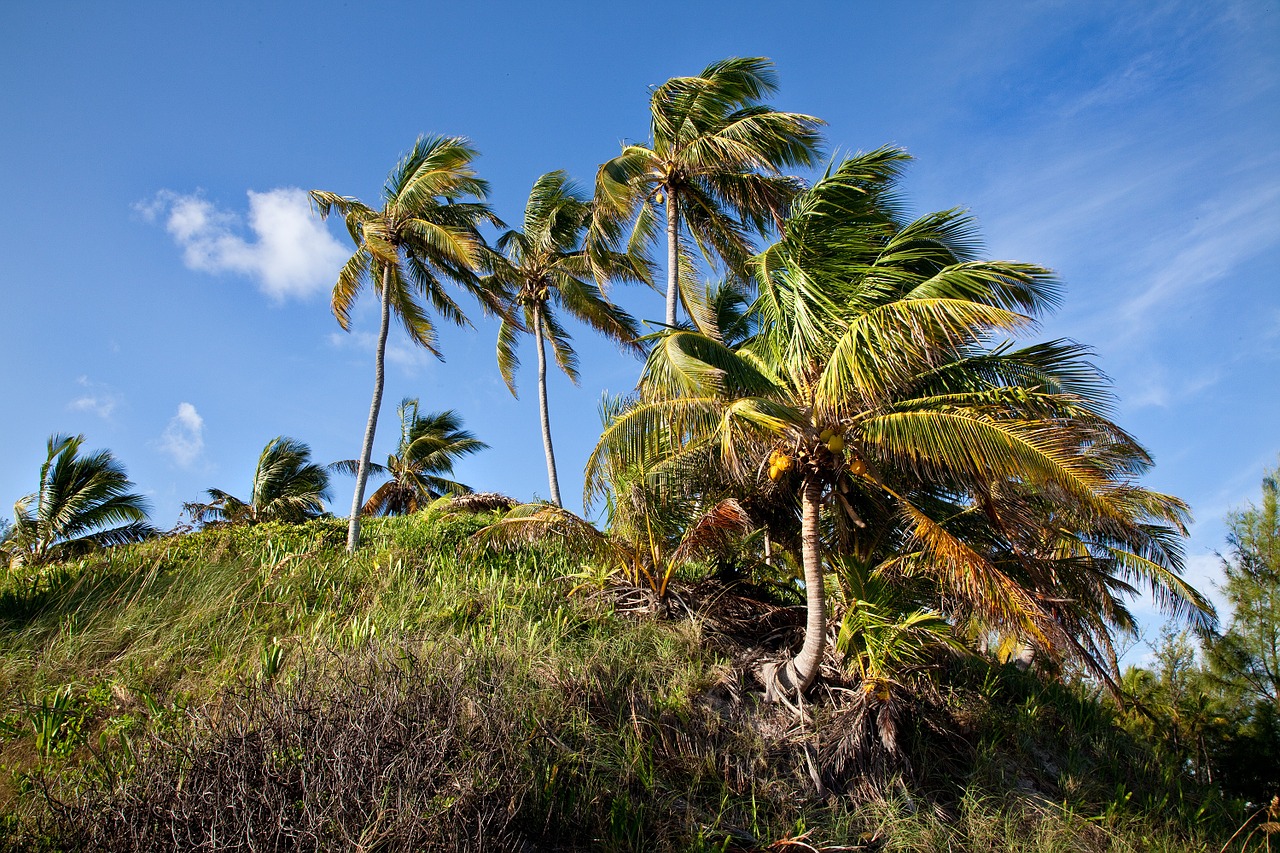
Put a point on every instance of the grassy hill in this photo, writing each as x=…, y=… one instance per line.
x=258, y=688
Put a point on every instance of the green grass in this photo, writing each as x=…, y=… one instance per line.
x=607, y=733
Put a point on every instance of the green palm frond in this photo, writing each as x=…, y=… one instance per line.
x=421, y=468
x=82, y=502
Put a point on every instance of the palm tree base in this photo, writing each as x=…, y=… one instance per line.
x=783, y=681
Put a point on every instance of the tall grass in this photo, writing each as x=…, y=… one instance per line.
x=556, y=724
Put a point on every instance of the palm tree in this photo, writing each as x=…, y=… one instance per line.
x=421, y=238
x=869, y=390
x=714, y=159
x=287, y=487
x=546, y=265
x=83, y=502
x=421, y=468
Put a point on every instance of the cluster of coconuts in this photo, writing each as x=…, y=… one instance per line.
x=779, y=463
x=835, y=444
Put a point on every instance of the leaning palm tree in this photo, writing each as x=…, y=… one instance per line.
x=546, y=265
x=714, y=159
x=83, y=502
x=287, y=487
x=869, y=391
x=421, y=468
x=423, y=236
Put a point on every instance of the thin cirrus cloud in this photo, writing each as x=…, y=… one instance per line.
x=183, y=438
x=411, y=359
x=290, y=254
x=96, y=399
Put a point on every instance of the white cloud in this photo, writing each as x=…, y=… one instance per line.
x=1162, y=388
x=403, y=354
x=97, y=399
x=1227, y=233
x=292, y=253
x=183, y=438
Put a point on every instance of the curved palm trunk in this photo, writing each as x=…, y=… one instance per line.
x=542, y=408
x=798, y=673
x=673, y=256
x=366, y=450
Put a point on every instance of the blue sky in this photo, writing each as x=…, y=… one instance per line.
x=165, y=292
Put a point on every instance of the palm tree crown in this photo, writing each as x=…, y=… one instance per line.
x=421, y=468
x=423, y=236
x=714, y=159
x=83, y=502
x=869, y=390
x=546, y=265
x=287, y=486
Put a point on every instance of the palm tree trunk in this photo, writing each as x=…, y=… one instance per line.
x=800, y=671
x=673, y=256
x=542, y=407
x=366, y=450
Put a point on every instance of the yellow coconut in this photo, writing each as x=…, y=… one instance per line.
x=826, y=434
x=857, y=466
x=836, y=444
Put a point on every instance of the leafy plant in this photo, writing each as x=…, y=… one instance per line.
x=287, y=487
x=83, y=503
x=56, y=721
x=713, y=162
x=421, y=468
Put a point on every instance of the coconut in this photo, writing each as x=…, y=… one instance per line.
x=836, y=444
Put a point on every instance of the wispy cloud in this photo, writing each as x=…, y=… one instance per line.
x=1226, y=233
x=97, y=398
x=183, y=438
x=409, y=358
x=1162, y=387
x=291, y=253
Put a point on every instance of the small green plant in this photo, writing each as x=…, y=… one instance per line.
x=57, y=722
x=272, y=659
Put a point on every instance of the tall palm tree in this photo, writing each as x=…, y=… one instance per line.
x=421, y=468
x=287, y=486
x=83, y=502
x=714, y=158
x=423, y=236
x=547, y=265
x=870, y=391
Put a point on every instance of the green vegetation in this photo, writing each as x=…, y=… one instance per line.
x=714, y=159
x=1217, y=711
x=243, y=667
x=984, y=481
x=421, y=467
x=287, y=486
x=545, y=266
x=844, y=451
x=424, y=236
x=82, y=503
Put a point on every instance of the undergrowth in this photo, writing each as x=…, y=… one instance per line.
x=258, y=688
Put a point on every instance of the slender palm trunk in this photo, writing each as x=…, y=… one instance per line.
x=673, y=256
x=366, y=450
x=801, y=670
x=542, y=407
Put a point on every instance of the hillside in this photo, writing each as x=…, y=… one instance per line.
x=258, y=688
